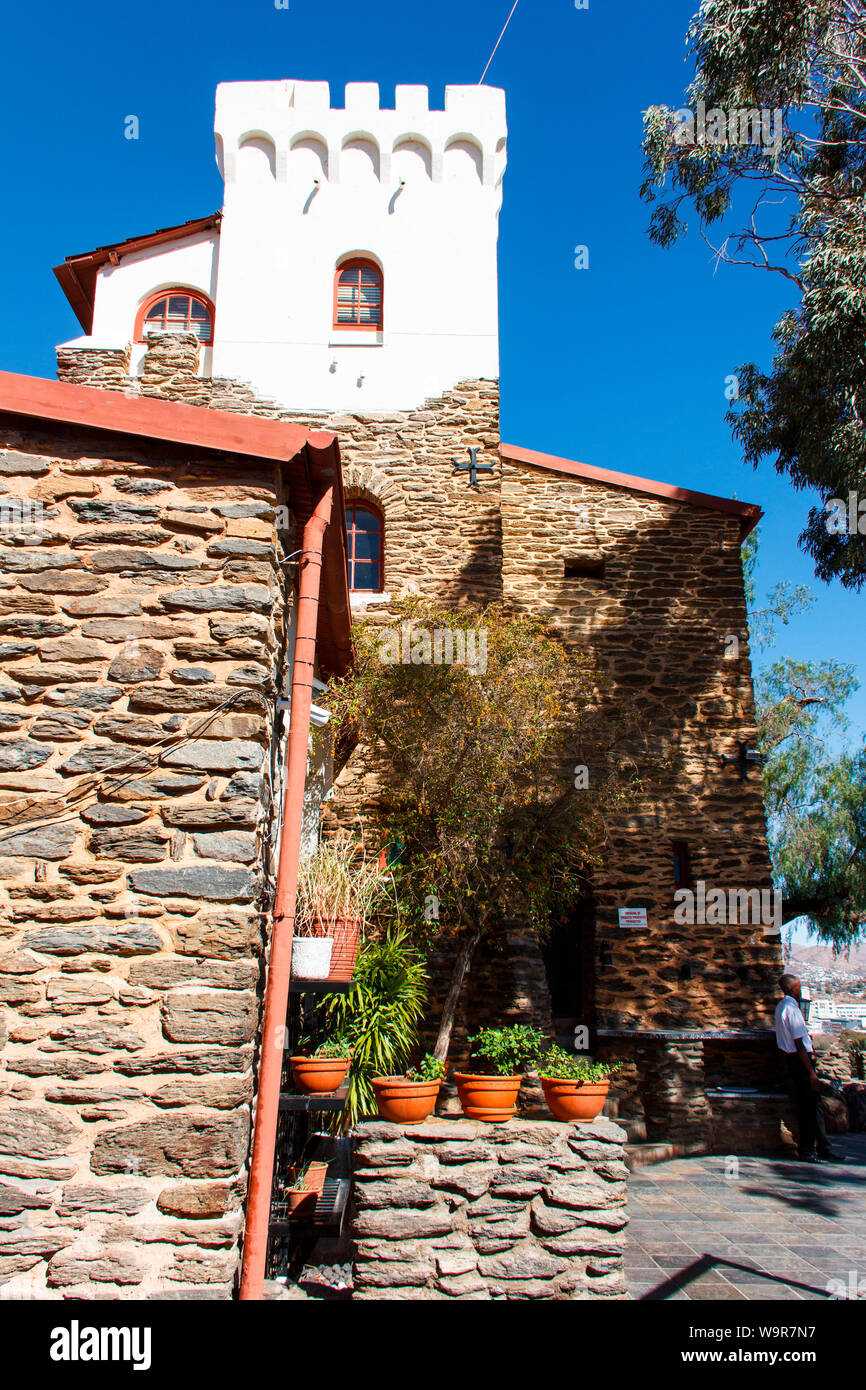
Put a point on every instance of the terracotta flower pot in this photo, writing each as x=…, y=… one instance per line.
x=405, y=1102
x=345, y=932
x=490, y=1098
x=315, y=1178
x=301, y=1202
x=568, y=1099
x=318, y=1076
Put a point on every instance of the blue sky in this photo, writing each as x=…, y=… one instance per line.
x=622, y=365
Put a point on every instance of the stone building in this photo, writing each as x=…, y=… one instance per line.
x=146, y=630
x=348, y=289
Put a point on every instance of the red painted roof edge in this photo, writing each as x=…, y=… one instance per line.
x=748, y=512
x=77, y=274
x=315, y=455
x=94, y=408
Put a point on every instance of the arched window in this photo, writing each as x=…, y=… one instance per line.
x=365, y=547
x=358, y=295
x=176, y=311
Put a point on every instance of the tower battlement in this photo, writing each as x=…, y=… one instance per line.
x=405, y=197
x=286, y=113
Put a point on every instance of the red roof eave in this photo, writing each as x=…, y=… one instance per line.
x=310, y=460
x=748, y=512
x=43, y=399
x=77, y=274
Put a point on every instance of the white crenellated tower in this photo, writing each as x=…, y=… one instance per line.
x=413, y=192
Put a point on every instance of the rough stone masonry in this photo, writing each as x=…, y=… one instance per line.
x=140, y=640
x=659, y=615
x=531, y=1209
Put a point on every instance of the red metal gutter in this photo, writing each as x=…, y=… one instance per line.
x=280, y=961
x=748, y=512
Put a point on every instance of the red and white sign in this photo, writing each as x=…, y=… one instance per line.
x=632, y=917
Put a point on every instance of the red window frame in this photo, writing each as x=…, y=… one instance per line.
x=175, y=292
x=359, y=264
x=353, y=505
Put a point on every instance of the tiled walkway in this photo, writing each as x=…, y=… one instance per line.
x=778, y=1230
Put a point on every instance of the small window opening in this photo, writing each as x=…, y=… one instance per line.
x=584, y=567
x=681, y=867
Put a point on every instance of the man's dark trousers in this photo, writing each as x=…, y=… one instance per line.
x=810, y=1112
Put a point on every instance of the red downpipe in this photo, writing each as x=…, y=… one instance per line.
x=280, y=962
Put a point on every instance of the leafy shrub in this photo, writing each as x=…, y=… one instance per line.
x=378, y=1016
x=334, y=1047
x=566, y=1066
x=507, y=1051
x=477, y=770
x=428, y=1069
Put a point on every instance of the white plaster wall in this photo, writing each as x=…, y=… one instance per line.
x=283, y=235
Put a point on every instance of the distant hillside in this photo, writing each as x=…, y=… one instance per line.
x=852, y=964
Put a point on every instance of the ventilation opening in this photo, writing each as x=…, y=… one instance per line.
x=681, y=866
x=584, y=567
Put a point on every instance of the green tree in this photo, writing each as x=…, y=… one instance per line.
x=483, y=788
x=814, y=785
x=796, y=208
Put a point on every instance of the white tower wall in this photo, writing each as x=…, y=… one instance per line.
x=415, y=190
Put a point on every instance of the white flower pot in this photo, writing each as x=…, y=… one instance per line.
x=311, y=957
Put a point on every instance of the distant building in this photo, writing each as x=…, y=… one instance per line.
x=828, y=1010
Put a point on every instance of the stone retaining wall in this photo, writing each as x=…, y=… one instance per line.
x=532, y=1209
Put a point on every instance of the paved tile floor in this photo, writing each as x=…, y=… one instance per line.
x=771, y=1229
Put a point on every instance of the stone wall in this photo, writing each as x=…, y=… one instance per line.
x=659, y=619
x=442, y=537
x=844, y=1109
x=531, y=1209
x=141, y=635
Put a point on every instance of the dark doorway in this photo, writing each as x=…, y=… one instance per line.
x=569, y=962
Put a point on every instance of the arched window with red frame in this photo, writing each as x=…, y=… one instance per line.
x=358, y=295
x=176, y=311
x=365, y=547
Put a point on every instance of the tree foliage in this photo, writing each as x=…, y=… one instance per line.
x=481, y=796
x=814, y=784
x=800, y=210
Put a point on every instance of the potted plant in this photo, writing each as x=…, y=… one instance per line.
x=337, y=888
x=324, y=1070
x=409, y=1099
x=315, y=1175
x=489, y=1092
x=379, y=1015
x=574, y=1088
x=303, y=1194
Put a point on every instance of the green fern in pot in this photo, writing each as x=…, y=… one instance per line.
x=379, y=1015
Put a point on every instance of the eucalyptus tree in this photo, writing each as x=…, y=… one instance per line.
x=814, y=778
x=769, y=155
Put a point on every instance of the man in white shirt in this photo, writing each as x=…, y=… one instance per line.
x=794, y=1042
